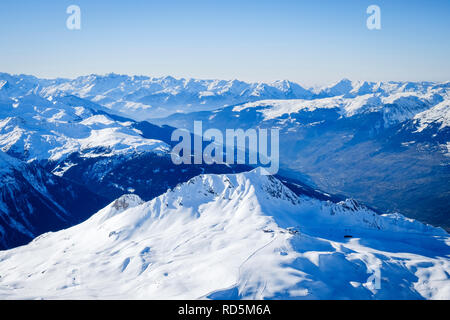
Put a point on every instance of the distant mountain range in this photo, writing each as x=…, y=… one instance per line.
x=142, y=98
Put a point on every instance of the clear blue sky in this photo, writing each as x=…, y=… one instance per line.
x=255, y=40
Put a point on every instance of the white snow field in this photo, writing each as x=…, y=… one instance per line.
x=38, y=129
x=243, y=236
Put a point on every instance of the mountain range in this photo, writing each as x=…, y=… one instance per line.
x=64, y=158
x=92, y=206
x=388, y=150
x=143, y=98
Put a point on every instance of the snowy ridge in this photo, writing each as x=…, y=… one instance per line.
x=142, y=97
x=231, y=236
x=395, y=107
x=38, y=128
x=438, y=115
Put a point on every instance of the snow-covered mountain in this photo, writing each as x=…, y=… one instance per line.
x=142, y=98
x=65, y=157
x=388, y=149
x=36, y=128
x=438, y=116
x=76, y=139
x=232, y=236
x=361, y=139
x=395, y=107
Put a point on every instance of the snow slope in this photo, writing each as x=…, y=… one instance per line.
x=395, y=107
x=34, y=128
x=232, y=236
x=439, y=115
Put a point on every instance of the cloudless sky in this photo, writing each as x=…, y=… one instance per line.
x=311, y=42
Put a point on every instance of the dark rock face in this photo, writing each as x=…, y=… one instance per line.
x=33, y=201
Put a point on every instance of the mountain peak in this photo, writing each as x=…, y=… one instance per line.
x=237, y=235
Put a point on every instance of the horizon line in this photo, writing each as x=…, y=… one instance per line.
x=181, y=78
